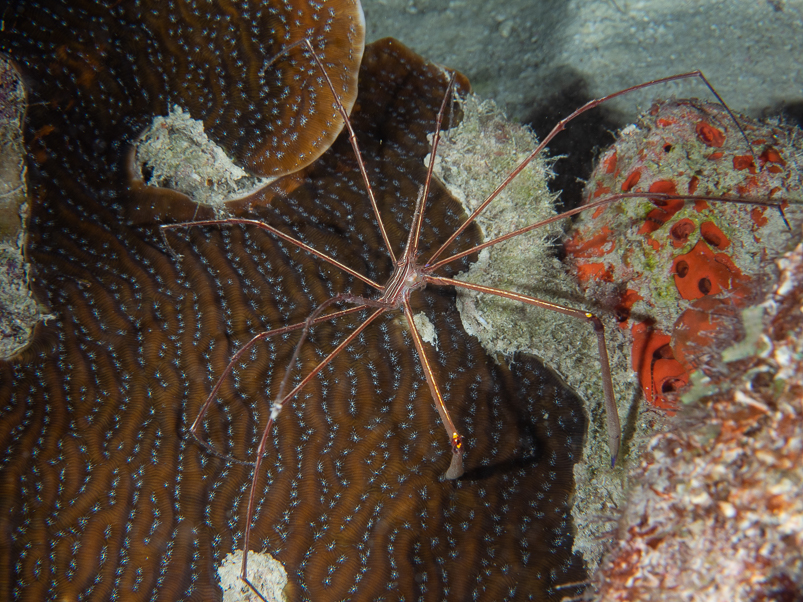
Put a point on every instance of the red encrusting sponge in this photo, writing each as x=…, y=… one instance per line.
x=684, y=268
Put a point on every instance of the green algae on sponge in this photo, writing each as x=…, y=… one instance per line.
x=682, y=263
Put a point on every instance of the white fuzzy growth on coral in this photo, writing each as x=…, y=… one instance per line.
x=426, y=329
x=473, y=159
x=265, y=572
x=178, y=154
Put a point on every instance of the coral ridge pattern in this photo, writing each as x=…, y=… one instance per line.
x=103, y=494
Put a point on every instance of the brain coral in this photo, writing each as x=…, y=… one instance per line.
x=104, y=496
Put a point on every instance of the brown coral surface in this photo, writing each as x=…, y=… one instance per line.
x=103, y=495
x=237, y=66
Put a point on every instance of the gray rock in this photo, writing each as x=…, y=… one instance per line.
x=523, y=53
